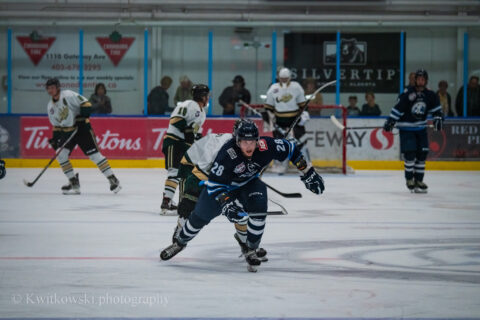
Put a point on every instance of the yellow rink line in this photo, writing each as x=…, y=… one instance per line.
x=160, y=163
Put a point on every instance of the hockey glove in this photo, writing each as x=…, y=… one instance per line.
x=438, y=123
x=3, y=171
x=232, y=209
x=313, y=181
x=389, y=124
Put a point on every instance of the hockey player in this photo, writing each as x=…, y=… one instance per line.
x=194, y=168
x=410, y=113
x=185, y=122
x=234, y=188
x=285, y=100
x=67, y=111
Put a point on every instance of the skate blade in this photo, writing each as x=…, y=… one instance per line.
x=251, y=268
x=420, y=191
x=118, y=188
x=165, y=212
x=70, y=193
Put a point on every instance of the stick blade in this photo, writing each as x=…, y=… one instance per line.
x=28, y=184
x=292, y=195
x=336, y=122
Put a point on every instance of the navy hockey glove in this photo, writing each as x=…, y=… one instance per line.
x=3, y=171
x=232, y=209
x=313, y=181
x=389, y=124
x=437, y=123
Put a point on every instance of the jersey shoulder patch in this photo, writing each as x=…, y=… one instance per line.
x=262, y=145
x=231, y=153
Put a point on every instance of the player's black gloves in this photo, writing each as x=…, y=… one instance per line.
x=389, y=124
x=313, y=181
x=232, y=209
x=437, y=123
x=3, y=171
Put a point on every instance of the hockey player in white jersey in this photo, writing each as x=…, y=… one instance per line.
x=69, y=111
x=285, y=100
x=185, y=123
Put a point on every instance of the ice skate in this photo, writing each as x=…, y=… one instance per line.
x=252, y=260
x=420, y=187
x=261, y=253
x=114, y=184
x=168, y=207
x=411, y=185
x=180, y=223
x=73, y=187
x=171, y=251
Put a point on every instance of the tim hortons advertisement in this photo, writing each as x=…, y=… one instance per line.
x=460, y=140
x=117, y=138
x=368, y=61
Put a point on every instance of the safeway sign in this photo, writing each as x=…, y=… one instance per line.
x=35, y=49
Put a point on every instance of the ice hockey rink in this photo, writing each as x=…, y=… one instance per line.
x=366, y=248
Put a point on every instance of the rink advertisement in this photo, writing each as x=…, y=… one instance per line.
x=460, y=140
x=368, y=61
x=108, y=59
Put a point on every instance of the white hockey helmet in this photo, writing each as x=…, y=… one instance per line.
x=284, y=73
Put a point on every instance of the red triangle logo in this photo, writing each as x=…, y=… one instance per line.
x=35, y=49
x=115, y=50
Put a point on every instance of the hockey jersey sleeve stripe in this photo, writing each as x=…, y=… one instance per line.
x=438, y=108
x=398, y=113
x=393, y=116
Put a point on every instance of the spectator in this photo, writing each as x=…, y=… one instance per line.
x=310, y=87
x=233, y=94
x=352, y=108
x=370, y=108
x=100, y=101
x=158, y=97
x=184, y=91
x=473, y=99
x=445, y=98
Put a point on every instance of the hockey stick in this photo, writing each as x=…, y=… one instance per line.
x=283, y=194
x=249, y=107
x=30, y=184
x=341, y=126
x=281, y=212
x=305, y=106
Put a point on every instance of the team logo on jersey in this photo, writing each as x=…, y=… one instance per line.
x=262, y=145
x=232, y=153
x=197, y=114
x=275, y=90
x=62, y=114
x=240, y=168
x=418, y=110
x=285, y=98
x=412, y=96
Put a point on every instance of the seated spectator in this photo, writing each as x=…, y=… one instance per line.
x=352, y=108
x=473, y=99
x=310, y=85
x=184, y=91
x=100, y=101
x=444, y=98
x=231, y=96
x=158, y=98
x=370, y=108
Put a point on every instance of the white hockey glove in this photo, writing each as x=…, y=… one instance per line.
x=304, y=117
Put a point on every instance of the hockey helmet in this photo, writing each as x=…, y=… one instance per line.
x=52, y=82
x=284, y=73
x=238, y=79
x=421, y=73
x=199, y=91
x=246, y=130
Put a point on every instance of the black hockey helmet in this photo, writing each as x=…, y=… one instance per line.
x=199, y=91
x=238, y=79
x=421, y=73
x=52, y=82
x=246, y=130
x=235, y=127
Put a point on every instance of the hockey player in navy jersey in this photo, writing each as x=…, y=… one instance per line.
x=410, y=114
x=234, y=189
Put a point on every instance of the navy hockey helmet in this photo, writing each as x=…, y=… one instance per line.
x=246, y=130
x=52, y=82
x=235, y=127
x=199, y=91
x=421, y=73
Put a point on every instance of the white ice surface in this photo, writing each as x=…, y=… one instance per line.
x=365, y=248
